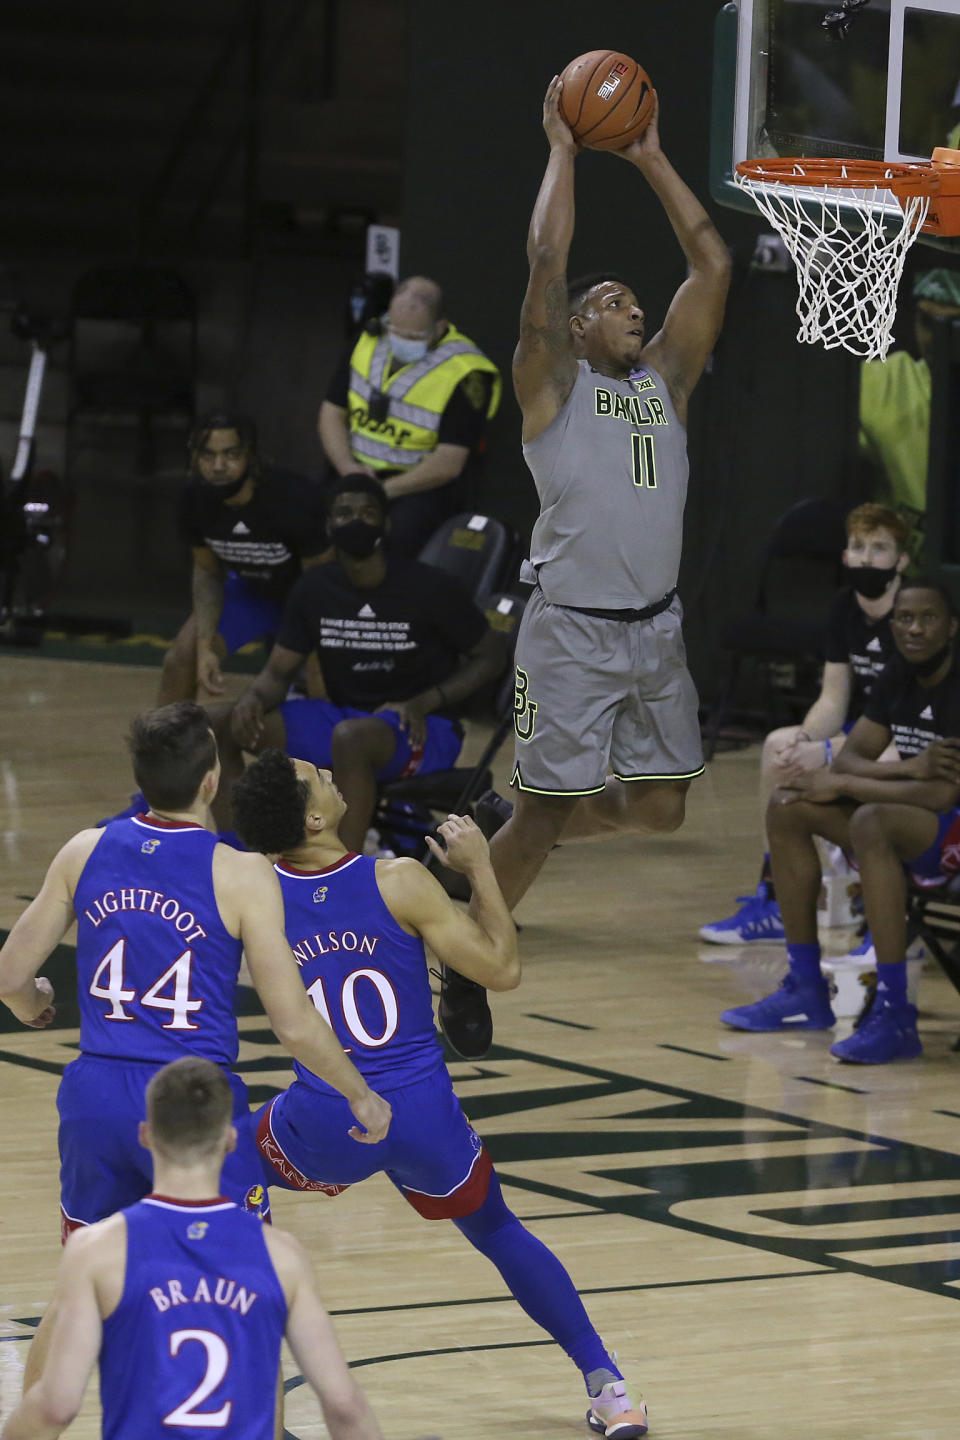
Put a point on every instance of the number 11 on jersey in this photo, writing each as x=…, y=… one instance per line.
x=644, y=461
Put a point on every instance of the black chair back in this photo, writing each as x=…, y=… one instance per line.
x=476, y=549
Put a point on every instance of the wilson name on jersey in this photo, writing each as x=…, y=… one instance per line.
x=363, y=972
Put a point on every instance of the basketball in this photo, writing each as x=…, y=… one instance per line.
x=607, y=99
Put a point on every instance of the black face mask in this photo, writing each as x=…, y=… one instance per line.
x=356, y=538
x=225, y=490
x=870, y=581
x=930, y=665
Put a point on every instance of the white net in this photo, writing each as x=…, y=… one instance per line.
x=847, y=277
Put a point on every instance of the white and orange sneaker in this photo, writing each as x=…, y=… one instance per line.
x=613, y=1414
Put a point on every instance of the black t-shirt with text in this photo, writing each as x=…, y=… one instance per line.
x=853, y=639
x=915, y=714
x=264, y=540
x=389, y=642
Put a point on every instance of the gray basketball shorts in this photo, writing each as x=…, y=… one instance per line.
x=594, y=696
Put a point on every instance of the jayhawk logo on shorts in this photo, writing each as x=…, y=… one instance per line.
x=254, y=1198
x=197, y=1230
x=148, y=847
x=320, y=894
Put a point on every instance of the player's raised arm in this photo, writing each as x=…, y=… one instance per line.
x=680, y=350
x=483, y=949
x=39, y=931
x=544, y=366
x=311, y=1337
x=252, y=896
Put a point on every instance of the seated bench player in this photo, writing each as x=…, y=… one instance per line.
x=252, y=528
x=897, y=818
x=399, y=644
x=857, y=645
x=358, y=928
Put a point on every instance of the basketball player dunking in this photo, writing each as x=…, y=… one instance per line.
x=184, y=1298
x=602, y=683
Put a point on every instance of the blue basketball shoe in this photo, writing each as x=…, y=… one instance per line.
x=792, y=1007
x=887, y=1032
x=757, y=921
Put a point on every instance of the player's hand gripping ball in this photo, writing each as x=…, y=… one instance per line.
x=607, y=99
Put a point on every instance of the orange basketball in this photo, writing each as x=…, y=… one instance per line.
x=607, y=99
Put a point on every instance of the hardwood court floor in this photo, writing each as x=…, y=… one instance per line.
x=771, y=1241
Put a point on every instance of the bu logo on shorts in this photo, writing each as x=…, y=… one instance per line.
x=524, y=709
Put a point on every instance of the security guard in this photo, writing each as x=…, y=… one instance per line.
x=408, y=406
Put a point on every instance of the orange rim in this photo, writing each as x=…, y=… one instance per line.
x=903, y=178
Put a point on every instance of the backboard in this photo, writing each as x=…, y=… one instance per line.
x=889, y=89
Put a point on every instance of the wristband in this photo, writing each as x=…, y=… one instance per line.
x=827, y=752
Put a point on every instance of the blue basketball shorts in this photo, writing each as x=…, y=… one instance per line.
x=431, y=1152
x=103, y=1166
x=310, y=725
x=941, y=859
x=246, y=616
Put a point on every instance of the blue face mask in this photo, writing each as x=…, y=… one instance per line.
x=407, y=352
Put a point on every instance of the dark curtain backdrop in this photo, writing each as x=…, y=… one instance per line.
x=772, y=421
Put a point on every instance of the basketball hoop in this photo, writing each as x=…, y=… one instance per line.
x=849, y=264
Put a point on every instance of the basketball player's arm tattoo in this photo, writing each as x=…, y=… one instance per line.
x=207, y=589
x=544, y=354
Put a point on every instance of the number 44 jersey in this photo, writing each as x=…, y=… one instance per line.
x=156, y=968
x=194, y=1344
x=365, y=974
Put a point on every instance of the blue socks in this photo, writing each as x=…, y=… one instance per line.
x=892, y=983
x=539, y=1283
x=805, y=963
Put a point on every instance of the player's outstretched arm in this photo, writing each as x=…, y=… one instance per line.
x=247, y=888
x=485, y=948
x=312, y=1339
x=39, y=931
x=680, y=350
x=53, y=1401
x=544, y=366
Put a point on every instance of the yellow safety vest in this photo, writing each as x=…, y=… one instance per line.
x=895, y=424
x=417, y=396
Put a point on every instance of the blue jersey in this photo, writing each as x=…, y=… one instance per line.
x=156, y=968
x=363, y=972
x=195, y=1340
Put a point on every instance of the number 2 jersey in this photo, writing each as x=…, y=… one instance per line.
x=364, y=973
x=156, y=968
x=194, y=1343
x=611, y=472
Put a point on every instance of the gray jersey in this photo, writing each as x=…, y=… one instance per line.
x=611, y=472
